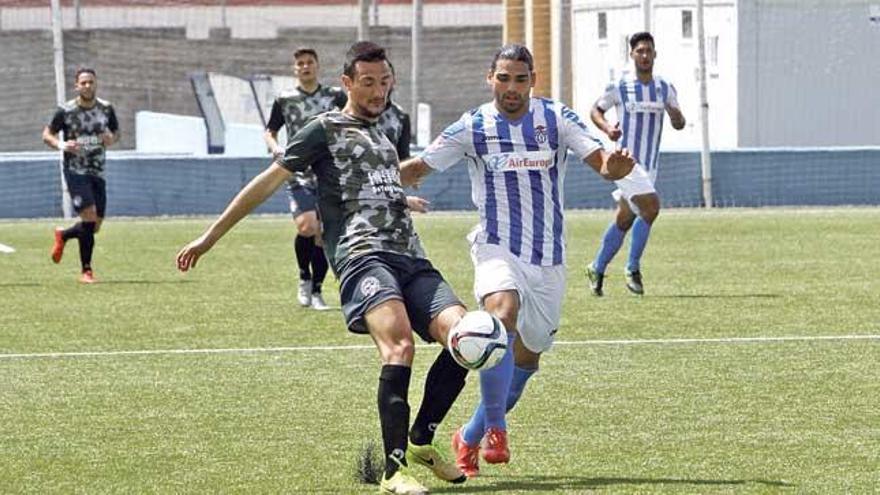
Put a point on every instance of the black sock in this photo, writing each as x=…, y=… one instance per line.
x=72, y=232
x=394, y=414
x=445, y=381
x=87, y=245
x=319, y=268
x=303, y=247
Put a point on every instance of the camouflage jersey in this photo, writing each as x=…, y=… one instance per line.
x=363, y=206
x=293, y=109
x=394, y=122
x=85, y=126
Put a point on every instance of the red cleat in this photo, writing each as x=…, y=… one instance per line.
x=58, y=246
x=494, y=446
x=87, y=277
x=467, y=458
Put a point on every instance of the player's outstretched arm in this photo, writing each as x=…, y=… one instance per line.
x=611, y=166
x=418, y=204
x=413, y=171
x=255, y=193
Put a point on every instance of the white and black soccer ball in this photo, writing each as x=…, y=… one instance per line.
x=478, y=341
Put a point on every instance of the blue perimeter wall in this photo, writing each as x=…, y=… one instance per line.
x=144, y=185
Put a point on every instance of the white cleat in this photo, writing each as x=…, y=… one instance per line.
x=304, y=294
x=318, y=302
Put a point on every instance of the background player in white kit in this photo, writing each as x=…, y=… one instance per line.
x=515, y=149
x=640, y=102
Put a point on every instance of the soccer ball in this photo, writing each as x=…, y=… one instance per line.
x=478, y=341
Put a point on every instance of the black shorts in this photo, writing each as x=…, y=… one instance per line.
x=372, y=279
x=87, y=190
x=302, y=199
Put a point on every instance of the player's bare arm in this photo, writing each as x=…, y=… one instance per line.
x=611, y=166
x=417, y=204
x=597, y=115
x=413, y=171
x=271, y=139
x=52, y=141
x=109, y=138
x=254, y=194
x=676, y=118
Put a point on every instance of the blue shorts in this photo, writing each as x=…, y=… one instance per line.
x=371, y=279
x=87, y=190
x=302, y=199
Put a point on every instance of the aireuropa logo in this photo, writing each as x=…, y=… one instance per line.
x=523, y=160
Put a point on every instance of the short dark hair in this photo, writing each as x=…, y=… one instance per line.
x=515, y=52
x=362, y=51
x=305, y=50
x=84, y=70
x=640, y=36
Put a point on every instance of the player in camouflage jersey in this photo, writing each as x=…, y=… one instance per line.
x=89, y=125
x=292, y=110
x=388, y=288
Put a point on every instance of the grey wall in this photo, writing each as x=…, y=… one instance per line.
x=147, y=69
x=808, y=73
x=141, y=186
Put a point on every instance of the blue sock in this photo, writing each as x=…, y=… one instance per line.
x=611, y=242
x=520, y=377
x=641, y=230
x=494, y=387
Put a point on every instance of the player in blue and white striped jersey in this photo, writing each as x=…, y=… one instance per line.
x=640, y=102
x=514, y=148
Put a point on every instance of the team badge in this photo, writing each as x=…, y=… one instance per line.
x=540, y=134
x=370, y=286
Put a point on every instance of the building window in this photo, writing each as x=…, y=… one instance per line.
x=713, y=51
x=603, y=25
x=687, y=24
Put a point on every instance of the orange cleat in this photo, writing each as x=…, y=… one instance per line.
x=87, y=277
x=495, y=450
x=58, y=245
x=467, y=458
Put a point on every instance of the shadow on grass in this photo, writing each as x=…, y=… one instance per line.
x=144, y=282
x=573, y=483
x=716, y=296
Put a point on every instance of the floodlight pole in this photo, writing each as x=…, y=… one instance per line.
x=364, y=24
x=58, y=55
x=416, y=49
x=705, y=155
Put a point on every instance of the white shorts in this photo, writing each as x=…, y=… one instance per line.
x=541, y=290
x=638, y=182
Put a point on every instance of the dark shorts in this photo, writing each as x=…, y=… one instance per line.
x=372, y=279
x=302, y=199
x=87, y=190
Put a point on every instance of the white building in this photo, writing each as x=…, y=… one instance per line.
x=801, y=73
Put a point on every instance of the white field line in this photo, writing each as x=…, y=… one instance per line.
x=158, y=352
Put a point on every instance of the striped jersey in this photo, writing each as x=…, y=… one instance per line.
x=640, y=111
x=516, y=169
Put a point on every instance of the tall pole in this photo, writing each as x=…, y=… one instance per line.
x=76, y=8
x=417, y=12
x=364, y=24
x=646, y=15
x=705, y=156
x=58, y=56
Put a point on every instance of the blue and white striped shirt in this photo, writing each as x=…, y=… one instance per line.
x=517, y=170
x=640, y=111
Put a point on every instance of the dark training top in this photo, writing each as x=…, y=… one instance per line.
x=293, y=109
x=85, y=126
x=362, y=203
